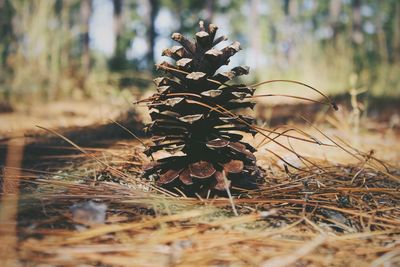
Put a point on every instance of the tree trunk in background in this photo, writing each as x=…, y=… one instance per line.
x=118, y=26
x=255, y=36
x=293, y=8
x=65, y=28
x=118, y=61
x=286, y=7
x=6, y=29
x=209, y=8
x=289, y=31
x=7, y=38
x=335, y=7
x=85, y=12
x=396, y=33
x=381, y=35
x=153, y=6
x=357, y=35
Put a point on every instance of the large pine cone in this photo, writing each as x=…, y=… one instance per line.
x=191, y=114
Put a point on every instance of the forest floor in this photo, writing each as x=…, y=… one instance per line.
x=60, y=115
x=68, y=208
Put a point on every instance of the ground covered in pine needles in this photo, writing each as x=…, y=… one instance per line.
x=319, y=205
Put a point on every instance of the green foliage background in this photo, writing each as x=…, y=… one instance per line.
x=334, y=45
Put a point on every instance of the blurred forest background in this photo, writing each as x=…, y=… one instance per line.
x=98, y=49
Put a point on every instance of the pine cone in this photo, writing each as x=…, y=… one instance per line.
x=192, y=116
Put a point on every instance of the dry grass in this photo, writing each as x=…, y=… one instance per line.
x=330, y=214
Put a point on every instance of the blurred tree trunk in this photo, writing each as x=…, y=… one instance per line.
x=209, y=7
x=396, y=33
x=118, y=25
x=66, y=30
x=118, y=61
x=255, y=36
x=293, y=8
x=357, y=35
x=286, y=7
x=335, y=7
x=153, y=6
x=178, y=6
x=117, y=5
x=290, y=7
x=6, y=29
x=381, y=35
x=7, y=38
x=85, y=12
